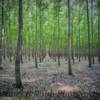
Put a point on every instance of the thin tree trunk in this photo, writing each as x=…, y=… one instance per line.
x=36, y=64
x=4, y=48
x=77, y=49
x=58, y=39
x=79, y=35
x=92, y=31
x=72, y=39
x=10, y=57
x=2, y=33
x=32, y=35
x=54, y=46
x=40, y=34
x=29, y=57
x=98, y=35
x=19, y=48
x=69, y=41
x=4, y=39
x=89, y=45
x=84, y=37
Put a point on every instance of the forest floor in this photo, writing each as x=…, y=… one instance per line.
x=50, y=77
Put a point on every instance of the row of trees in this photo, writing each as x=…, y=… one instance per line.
x=60, y=28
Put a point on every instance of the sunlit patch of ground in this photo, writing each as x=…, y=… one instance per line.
x=60, y=86
x=69, y=88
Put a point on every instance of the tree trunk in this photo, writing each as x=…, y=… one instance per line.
x=89, y=45
x=2, y=33
x=10, y=50
x=69, y=41
x=72, y=39
x=79, y=36
x=36, y=64
x=92, y=32
x=19, y=48
x=85, y=23
x=98, y=35
x=29, y=56
x=58, y=36
x=40, y=33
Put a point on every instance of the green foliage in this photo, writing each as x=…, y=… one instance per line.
x=50, y=9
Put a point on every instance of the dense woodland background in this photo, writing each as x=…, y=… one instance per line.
x=59, y=29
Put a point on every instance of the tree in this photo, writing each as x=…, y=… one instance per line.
x=92, y=31
x=69, y=41
x=88, y=24
x=36, y=64
x=79, y=34
x=2, y=32
x=72, y=38
x=40, y=30
x=58, y=24
x=10, y=48
x=98, y=15
x=19, y=48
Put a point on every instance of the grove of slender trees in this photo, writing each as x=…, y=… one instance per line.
x=32, y=29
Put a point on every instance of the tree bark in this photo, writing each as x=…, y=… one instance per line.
x=40, y=32
x=92, y=32
x=19, y=48
x=79, y=35
x=2, y=33
x=88, y=24
x=98, y=35
x=69, y=41
x=72, y=39
x=36, y=64
x=58, y=39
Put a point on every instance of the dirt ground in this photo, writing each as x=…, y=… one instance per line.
x=50, y=77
